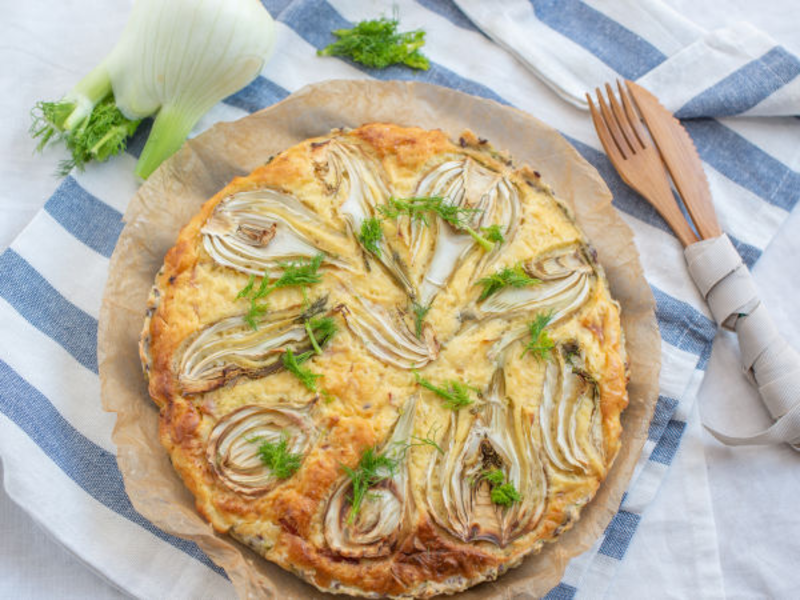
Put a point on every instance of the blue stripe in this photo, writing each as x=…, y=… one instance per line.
x=619, y=534
x=627, y=53
x=275, y=7
x=139, y=139
x=313, y=20
x=88, y=465
x=776, y=183
x=729, y=153
x=451, y=12
x=665, y=408
x=744, y=88
x=93, y=222
x=750, y=254
x=668, y=445
x=625, y=198
x=684, y=327
x=630, y=202
x=561, y=592
x=259, y=94
x=743, y=162
x=43, y=307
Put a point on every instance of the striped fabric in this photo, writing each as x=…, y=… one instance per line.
x=55, y=441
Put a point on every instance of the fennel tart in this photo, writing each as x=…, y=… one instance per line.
x=387, y=361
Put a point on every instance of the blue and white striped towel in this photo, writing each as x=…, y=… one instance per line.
x=54, y=438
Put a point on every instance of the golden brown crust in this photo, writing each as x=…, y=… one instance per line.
x=284, y=524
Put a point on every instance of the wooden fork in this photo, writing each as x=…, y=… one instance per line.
x=636, y=159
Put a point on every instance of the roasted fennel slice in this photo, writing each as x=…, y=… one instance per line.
x=374, y=525
x=566, y=277
x=572, y=443
x=360, y=179
x=388, y=335
x=236, y=446
x=459, y=490
x=255, y=232
x=441, y=248
x=231, y=348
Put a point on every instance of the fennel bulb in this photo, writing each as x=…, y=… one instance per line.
x=175, y=59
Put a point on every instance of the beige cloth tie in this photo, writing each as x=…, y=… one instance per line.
x=769, y=362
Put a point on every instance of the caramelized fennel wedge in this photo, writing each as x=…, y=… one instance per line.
x=383, y=513
x=233, y=446
x=458, y=493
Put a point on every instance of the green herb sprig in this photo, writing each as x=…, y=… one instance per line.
x=540, y=344
x=503, y=493
x=456, y=395
x=420, y=312
x=320, y=330
x=371, y=235
x=418, y=208
x=294, y=364
x=294, y=273
x=101, y=135
x=507, y=277
x=372, y=468
x=378, y=44
x=277, y=457
x=493, y=233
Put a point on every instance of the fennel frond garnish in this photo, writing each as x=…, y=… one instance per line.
x=378, y=44
x=503, y=493
x=507, y=277
x=294, y=274
x=493, y=233
x=418, y=208
x=320, y=330
x=371, y=470
x=294, y=364
x=540, y=343
x=420, y=312
x=278, y=458
x=371, y=234
x=456, y=395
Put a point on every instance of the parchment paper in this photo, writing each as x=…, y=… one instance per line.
x=175, y=193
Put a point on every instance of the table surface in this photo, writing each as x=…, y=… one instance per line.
x=711, y=510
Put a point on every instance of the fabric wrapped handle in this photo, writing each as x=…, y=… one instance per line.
x=769, y=362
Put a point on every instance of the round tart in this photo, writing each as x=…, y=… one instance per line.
x=388, y=362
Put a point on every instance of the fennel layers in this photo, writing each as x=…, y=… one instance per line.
x=174, y=60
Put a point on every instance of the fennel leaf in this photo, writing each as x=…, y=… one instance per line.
x=102, y=134
x=417, y=209
x=503, y=493
x=420, y=312
x=455, y=395
x=372, y=468
x=294, y=364
x=277, y=457
x=493, y=233
x=378, y=44
x=371, y=234
x=507, y=277
x=320, y=330
x=540, y=344
x=294, y=274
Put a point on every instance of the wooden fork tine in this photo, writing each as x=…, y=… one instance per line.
x=603, y=132
x=622, y=121
x=633, y=118
x=611, y=124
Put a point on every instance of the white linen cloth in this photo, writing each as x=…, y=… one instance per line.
x=660, y=548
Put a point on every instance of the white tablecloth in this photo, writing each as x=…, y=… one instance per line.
x=726, y=516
